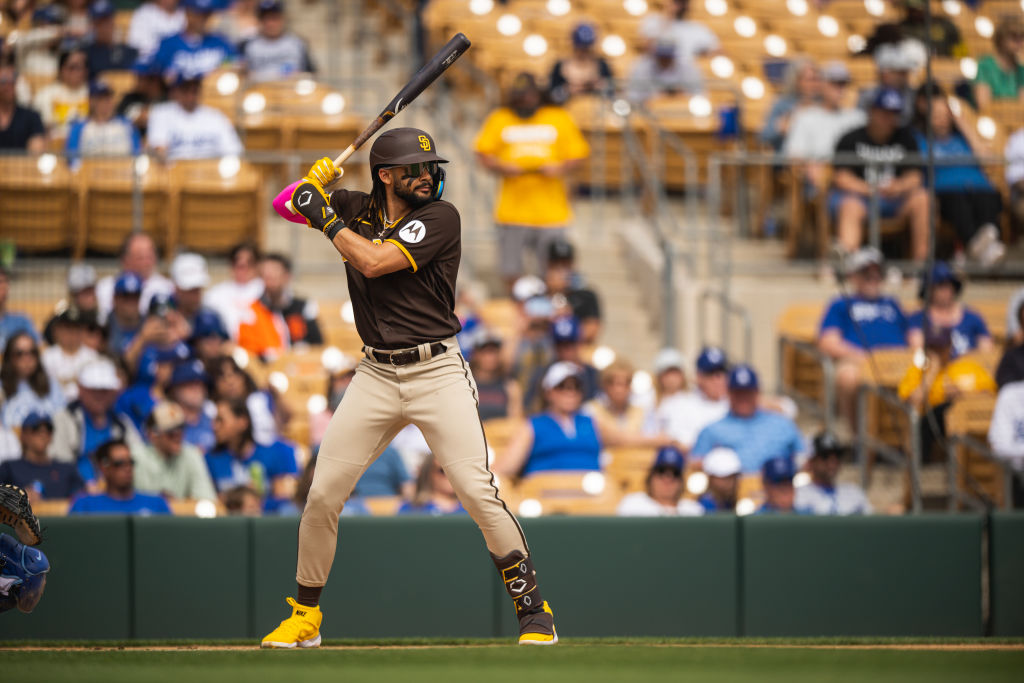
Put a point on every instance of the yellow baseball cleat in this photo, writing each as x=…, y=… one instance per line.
x=301, y=629
x=538, y=628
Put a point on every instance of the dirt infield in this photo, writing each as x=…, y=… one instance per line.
x=941, y=647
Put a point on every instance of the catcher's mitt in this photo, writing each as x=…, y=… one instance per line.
x=16, y=513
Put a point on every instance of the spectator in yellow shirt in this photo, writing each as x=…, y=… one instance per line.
x=936, y=379
x=532, y=147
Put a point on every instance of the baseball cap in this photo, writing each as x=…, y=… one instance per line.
x=208, y=324
x=99, y=374
x=36, y=419
x=189, y=271
x=835, y=72
x=560, y=250
x=176, y=77
x=893, y=57
x=670, y=456
x=584, y=35
x=100, y=88
x=72, y=315
x=165, y=417
x=863, y=258
x=941, y=273
x=565, y=330
x=207, y=6
x=667, y=359
x=527, y=287
x=128, y=284
x=888, y=99
x=269, y=6
x=81, y=276
x=102, y=9
x=189, y=371
x=161, y=303
x=558, y=373
x=539, y=307
x=711, y=359
x=171, y=354
x=400, y=146
x=826, y=443
x=49, y=14
x=743, y=377
x=778, y=470
x=486, y=337
x=721, y=462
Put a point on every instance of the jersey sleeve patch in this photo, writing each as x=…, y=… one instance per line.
x=413, y=232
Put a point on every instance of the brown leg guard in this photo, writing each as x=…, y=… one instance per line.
x=520, y=580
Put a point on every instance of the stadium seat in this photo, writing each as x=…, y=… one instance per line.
x=106, y=203
x=382, y=506
x=562, y=493
x=211, y=207
x=977, y=476
x=37, y=203
x=499, y=431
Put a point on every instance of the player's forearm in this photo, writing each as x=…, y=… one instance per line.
x=370, y=259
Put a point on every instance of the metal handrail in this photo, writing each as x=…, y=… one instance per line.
x=863, y=441
x=827, y=406
x=981, y=448
x=729, y=307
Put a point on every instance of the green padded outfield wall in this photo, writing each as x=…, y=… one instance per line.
x=717, y=576
x=1006, y=564
x=877, y=576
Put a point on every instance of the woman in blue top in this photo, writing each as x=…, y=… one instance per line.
x=24, y=385
x=940, y=293
x=562, y=438
x=967, y=199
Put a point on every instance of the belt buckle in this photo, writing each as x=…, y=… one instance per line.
x=391, y=360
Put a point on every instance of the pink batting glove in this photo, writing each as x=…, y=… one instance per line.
x=282, y=199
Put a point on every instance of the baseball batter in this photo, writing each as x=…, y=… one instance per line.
x=401, y=246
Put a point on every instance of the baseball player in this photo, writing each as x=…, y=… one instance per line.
x=23, y=569
x=401, y=245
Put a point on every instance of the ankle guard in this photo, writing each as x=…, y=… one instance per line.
x=520, y=581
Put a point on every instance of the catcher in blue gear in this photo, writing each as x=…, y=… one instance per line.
x=23, y=569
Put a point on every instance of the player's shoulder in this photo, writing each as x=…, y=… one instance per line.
x=439, y=212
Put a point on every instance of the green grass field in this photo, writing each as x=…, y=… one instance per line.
x=572, y=661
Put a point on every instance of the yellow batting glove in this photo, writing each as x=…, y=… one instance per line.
x=324, y=172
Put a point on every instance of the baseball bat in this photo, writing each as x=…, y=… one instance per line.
x=426, y=75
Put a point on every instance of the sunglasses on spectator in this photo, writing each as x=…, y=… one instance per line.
x=38, y=428
x=569, y=385
x=119, y=463
x=662, y=471
x=18, y=353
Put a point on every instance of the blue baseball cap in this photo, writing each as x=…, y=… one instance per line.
x=778, y=470
x=97, y=88
x=670, y=456
x=206, y=6
x=171, y=354
x=49, y=14
x=189, y=371
x=161, y=303
x=269, y=6
x=566, y=330
x=208, y=324
x=101, y=9
x=889, y=99
x=743, y=377
x=128, y=284
x=941, y=273
x=36, y=419
x=711, y=359
x=584, y=35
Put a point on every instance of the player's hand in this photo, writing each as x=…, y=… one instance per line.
x=324, y=172
x=311, y=203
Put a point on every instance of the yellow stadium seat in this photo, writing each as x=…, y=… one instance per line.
x=211, y=211
x=977, y=475
x=993, y=311
x=106, y=203
x=37, y=203
x=382, y=506
x=561, y=493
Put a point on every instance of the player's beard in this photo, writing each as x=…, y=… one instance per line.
x=413, y=198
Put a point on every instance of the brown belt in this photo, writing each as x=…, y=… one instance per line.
x=403, y=356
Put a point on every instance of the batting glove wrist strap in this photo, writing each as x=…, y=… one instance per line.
x=334, y=228
x=312, y=203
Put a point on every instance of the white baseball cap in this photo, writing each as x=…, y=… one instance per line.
x=527, y=287
x=667, y=359
x=99, y=374
x=166, y=416
x=189, y=271
x=721, y=462
x=558, y=373
x=81, y=276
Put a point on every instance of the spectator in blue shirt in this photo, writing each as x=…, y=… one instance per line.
x=966, y=197
x=855, y=325
x=11, y=322
x=238, y=460
x=777, y=479
x=195, y=50
x=24, y=384
x=434, y=493
x=114, y=459
x=156, y=368
x=125, y=319
x=386, y=476
x=35, y=472
x=722, y=467
x=756, y=435
x=188, y=389
x=940, y=291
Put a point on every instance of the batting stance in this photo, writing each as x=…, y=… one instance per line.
x=23, y=569
x=401, y=245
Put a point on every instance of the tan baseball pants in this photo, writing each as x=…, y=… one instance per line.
x=437, y=395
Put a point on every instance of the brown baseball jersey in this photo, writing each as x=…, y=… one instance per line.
x=412, y=306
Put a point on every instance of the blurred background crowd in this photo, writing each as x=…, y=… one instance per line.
x=192, y=375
